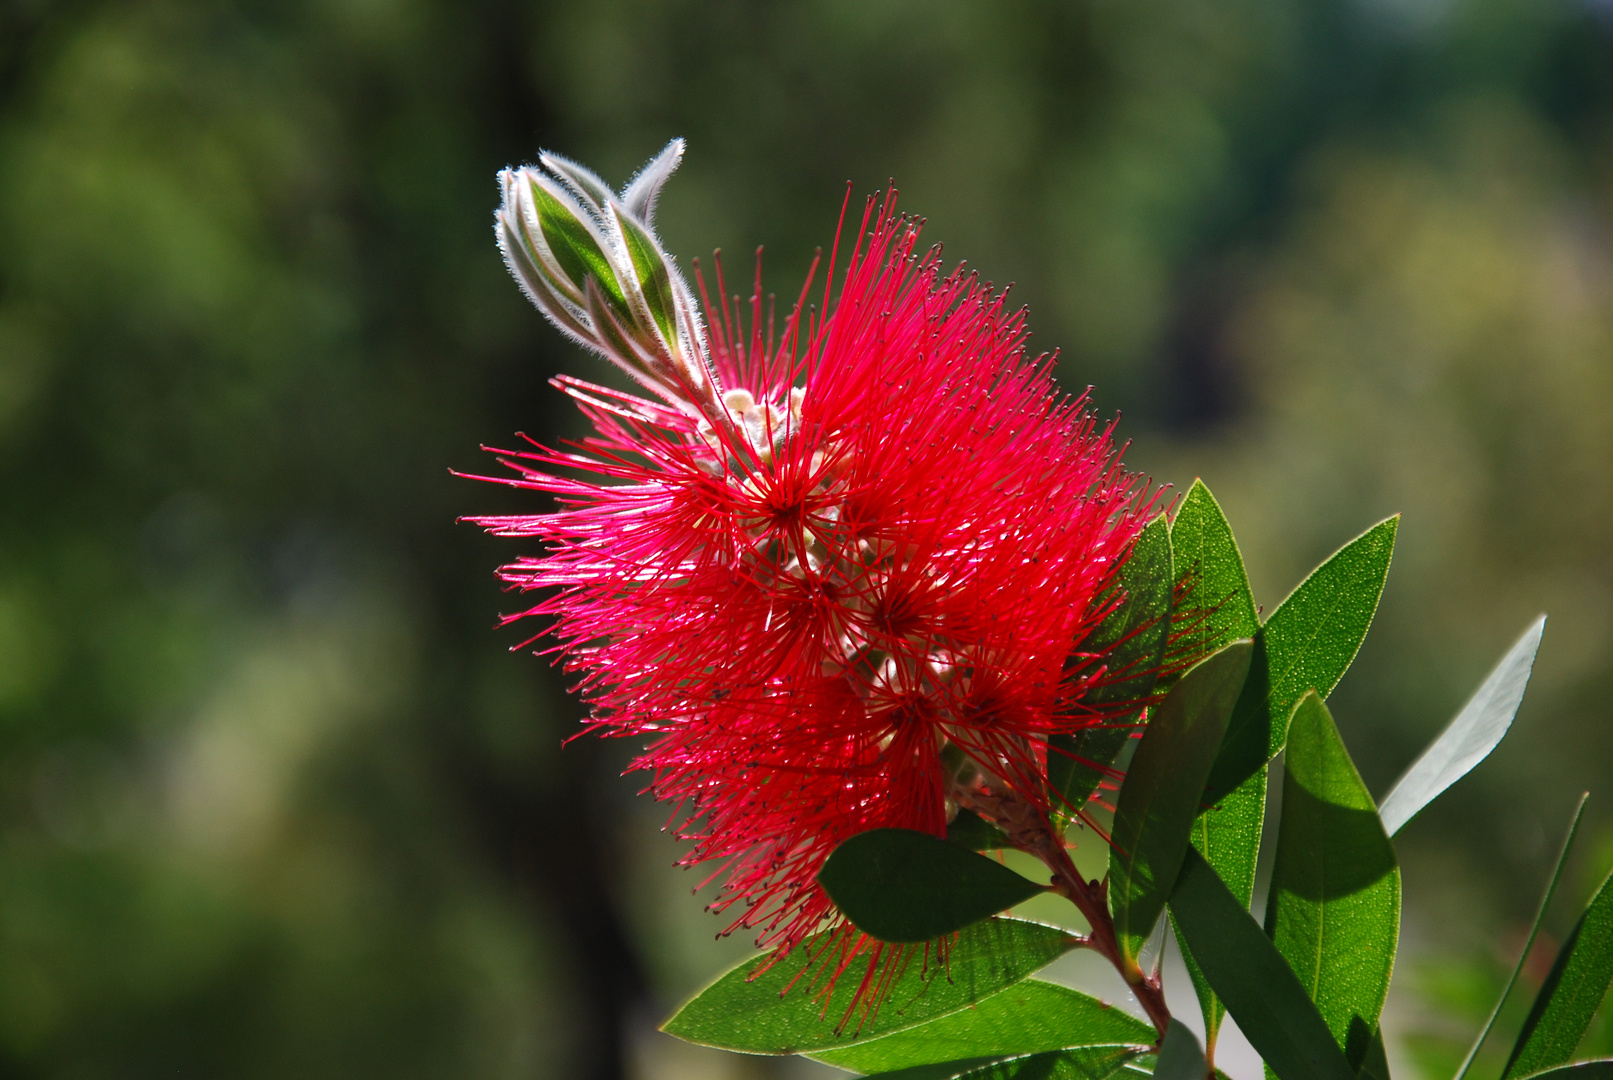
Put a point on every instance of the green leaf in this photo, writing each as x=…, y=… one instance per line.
x=1143, y=1065
x=1469, y=738
x=1529, y=942
x=968, y=829
x=1180, y=1056
x=1600, y=1069
x=1220, y=607
x=1029, y=1017
x=747, y=1009
x=1376, y=1065
x=1078, y=1063
x=1160, y=797
x=1249, y=974
x=1228, y=836
x=1132, y=640
x=944, y=1070
x=907, y=886
x=1308, y=643
x=1334, y=907
x=1572, y=992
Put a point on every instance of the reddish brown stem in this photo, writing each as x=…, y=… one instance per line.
x=1030, y=831
x=1089, y=899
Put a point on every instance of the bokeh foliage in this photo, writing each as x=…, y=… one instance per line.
x=274, y=801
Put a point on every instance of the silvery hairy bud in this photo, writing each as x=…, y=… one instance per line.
x=590, y=261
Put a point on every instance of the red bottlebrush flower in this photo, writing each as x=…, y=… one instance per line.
x=826, y=572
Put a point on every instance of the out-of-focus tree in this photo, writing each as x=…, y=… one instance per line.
x=274, y=803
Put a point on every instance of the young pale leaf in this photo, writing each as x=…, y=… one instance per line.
x=1078, y=1063
x=1571, y=994
x=1529, y=942
x=1334, y=906
x=1250, y=975
x=1160, y=797
x=968, y=829
x=1308, y=642
x=641, y=193
x=573, y=243
x=594, y=192
x=1180, y=1055
x=1228, y=836
x=1220, y=606
x=1132, y=641
x=1469, y=738
x=654, y=277
x=781, y=1010
x=1029, y=1017
x=906, y=886
x=535, y=278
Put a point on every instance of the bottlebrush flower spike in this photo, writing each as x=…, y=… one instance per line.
x=834, y=576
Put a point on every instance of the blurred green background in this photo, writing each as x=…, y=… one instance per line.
x=275, y=799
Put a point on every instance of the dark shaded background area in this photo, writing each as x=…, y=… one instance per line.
x=274, y=798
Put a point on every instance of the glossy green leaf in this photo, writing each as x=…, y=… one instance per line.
x=1079, y=1063
x=906, y=886
x=1248, y=973
x=1376, y=1065
x=1180, y=1056
x=1219, y=608
x=1132, y=640
x=1228, y=836
x=1307, y=643
x=944, y=1070
x=747, y=1009
x=1600, y=1069
x=1470, y=737
x=968, y=829
x=1529, y=942
x=1572, y=992
x=1334, y=907
x=1159, y=799
x=1029, y=1017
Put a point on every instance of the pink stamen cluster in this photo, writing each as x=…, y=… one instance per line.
x=860, y=586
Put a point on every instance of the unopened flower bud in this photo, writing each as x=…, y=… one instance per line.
x=591, y=262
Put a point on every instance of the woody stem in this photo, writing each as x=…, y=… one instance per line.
x=1088, y=897
x=1030, y=831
